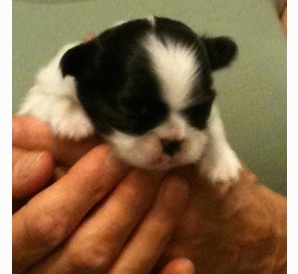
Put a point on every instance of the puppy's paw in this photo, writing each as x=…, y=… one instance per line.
x=71, y=122
x=64, y=114
x=221, y=166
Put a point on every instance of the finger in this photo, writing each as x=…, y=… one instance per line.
x=50, y=217
x=179, y=266
x=97, y=242
x=143, y=250
x=30, y=171
x=32, y=134
x=68, y=152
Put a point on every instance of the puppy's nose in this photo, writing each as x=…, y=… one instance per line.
x=170, y=147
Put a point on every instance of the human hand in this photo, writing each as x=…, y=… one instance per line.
x=64, y=228
x=237, y=231
x=39, y=156
x=242, y=230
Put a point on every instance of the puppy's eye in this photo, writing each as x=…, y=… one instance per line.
x=140, y=116
x=197, y=115
x=142, y=109
x=132, y=109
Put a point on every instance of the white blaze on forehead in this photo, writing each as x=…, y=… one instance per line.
x=151, y=20
x=174, y=128
x=176, y=68
x=119, y=23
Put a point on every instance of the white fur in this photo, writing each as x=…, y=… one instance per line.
x=175, y=67
x=53, y=99
x=119, y=23
x=216, y=160
x=151, y=20
x=146, y=151
x=219, y=162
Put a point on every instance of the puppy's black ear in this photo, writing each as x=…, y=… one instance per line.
x=221, y=51
x=78, y=60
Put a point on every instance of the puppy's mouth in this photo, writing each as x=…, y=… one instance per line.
x=151, y=151
x=162, y=162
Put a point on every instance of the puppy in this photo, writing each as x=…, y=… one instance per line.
x=146, y=86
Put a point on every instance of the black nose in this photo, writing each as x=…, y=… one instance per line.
x=170, y=147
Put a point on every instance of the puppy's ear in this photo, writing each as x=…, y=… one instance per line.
x=221, y=51
x=78, y=60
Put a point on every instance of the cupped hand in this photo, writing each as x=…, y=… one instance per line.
x=239, y=230
x=128, y=229
x=100, y=217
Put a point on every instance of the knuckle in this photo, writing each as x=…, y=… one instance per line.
x=48, y=228
x=133, y=195
x=89, y=257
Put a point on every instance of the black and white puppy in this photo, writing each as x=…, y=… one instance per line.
x=146, y=86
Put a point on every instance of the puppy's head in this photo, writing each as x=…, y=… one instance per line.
x=146, y=86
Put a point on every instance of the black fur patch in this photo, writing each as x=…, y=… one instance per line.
x=116, y=83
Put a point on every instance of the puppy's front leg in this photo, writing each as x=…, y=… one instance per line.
x=219, y=163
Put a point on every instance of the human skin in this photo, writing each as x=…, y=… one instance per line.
x=82, y=222
x=237, y=230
